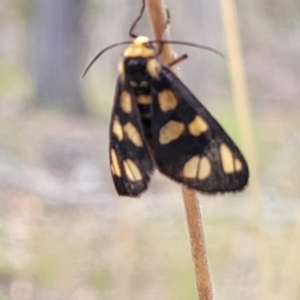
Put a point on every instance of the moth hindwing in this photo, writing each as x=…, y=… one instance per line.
x=157, y=121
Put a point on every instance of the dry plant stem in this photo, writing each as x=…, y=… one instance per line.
x=157, y=17
x=242, y=105
x=197, y=239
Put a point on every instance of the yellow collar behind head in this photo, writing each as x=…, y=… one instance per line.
x=139, y=48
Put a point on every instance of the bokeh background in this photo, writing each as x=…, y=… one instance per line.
x=65, y=234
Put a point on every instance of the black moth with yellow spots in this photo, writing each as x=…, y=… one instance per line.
x=157, y=122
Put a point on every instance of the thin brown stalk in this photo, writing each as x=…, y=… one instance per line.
x=198, y=245
x=157, y=15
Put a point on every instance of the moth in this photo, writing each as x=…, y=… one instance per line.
x=157, y=122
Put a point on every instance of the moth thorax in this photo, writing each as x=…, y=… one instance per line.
x=136, y=68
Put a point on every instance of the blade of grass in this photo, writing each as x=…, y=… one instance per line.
x=242, y=105
x=289, y=283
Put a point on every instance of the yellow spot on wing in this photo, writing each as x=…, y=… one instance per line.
x=167, y=100
x=227, y=159
x=197, y=167
x=197, y=126
x=144, y=99
x=112, y=169
x=132, y=171
x=126, y=102
x=117, y=130
x=238, y=164
x=170, y=132
x=204, y=168
x=191, y=167
x=115, y=164
x=132, y=134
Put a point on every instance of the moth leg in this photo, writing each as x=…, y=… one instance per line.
x=177, y=60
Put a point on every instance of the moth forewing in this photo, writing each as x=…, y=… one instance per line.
x=189, y=145
x=130, y=160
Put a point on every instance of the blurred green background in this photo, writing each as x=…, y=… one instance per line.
x=65, y=234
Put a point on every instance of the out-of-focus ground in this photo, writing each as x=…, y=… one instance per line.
x=65, y=234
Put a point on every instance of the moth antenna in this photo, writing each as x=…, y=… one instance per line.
x=132, y=27
x=100, y=53
x=199, y=46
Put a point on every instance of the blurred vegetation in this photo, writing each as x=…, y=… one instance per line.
x=64, y=234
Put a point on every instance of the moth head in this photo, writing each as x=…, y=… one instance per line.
x=140, y=47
